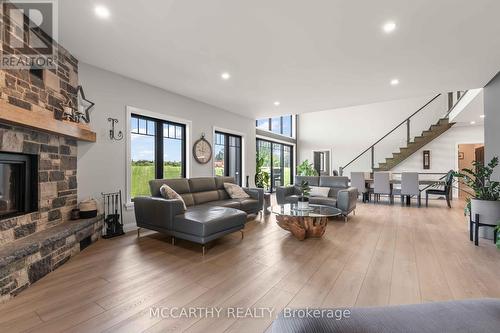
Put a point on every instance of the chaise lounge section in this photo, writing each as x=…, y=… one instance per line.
x=210, y=213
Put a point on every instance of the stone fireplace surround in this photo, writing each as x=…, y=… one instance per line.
x=34, y=244
x=57, y=186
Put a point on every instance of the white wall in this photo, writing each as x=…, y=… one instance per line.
x=348, y=131
x=492, y=120
x=102, y=165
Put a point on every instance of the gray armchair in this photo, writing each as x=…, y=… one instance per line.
x=340, y=196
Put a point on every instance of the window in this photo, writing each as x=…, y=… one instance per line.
x=263, y=124
x=157, y=150
x=278, y=161
x=227, y=155
x=279, y=125
x=276, y=125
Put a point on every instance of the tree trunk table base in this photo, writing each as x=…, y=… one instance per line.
x=303, y=227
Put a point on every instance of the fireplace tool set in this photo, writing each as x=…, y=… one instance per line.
x=113, y=221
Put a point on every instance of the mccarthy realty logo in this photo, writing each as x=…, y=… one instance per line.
x=29, y=34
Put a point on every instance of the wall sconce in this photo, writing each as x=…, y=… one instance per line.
x=112, y=133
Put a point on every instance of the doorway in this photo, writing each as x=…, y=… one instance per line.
x=321, y=161
x=467, y=153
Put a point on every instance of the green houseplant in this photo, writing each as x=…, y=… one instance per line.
x=485, y=195
x=306, y=169
x=262, y=177
x=304, y=190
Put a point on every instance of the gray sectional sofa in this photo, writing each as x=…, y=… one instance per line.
x=210, y=213
x=340, y=196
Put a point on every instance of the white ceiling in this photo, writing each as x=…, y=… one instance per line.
x=309, y=55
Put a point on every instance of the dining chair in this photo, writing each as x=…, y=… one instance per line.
x=443, y=191
x=382, y=186
x=358, y=181
x=410, y=187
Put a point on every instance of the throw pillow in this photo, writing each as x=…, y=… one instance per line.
x=317, y=191
x=168, y=193
x=235, y=191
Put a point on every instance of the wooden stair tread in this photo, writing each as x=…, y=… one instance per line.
x=413, y=146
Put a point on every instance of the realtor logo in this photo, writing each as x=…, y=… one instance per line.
x=28, y=30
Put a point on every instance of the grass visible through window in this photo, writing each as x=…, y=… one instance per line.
x=144, y=171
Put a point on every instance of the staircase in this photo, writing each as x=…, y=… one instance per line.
x=413, y=146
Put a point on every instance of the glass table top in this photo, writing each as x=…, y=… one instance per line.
x=313, y=211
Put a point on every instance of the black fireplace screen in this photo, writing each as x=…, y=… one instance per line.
x=18, y=184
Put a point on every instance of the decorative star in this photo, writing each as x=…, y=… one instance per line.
x=68, y=103
x=84, y=103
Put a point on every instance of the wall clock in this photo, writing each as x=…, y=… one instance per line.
x=202, y=150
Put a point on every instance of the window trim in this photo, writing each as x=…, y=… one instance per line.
x=129, y=110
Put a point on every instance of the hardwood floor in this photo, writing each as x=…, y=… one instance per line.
x=383, y=255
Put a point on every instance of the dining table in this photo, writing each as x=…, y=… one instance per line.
x=398, y=181
x=427, y=183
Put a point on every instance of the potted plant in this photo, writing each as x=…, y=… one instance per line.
x=262, y=178
x=303, y=200
x=498, y=240
x=306, y=169
x=486, y=194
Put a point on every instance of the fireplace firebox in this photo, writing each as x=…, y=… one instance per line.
x=18, y=184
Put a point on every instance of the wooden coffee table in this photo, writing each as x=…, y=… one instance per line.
x=304, y=223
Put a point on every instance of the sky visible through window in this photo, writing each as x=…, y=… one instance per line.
x=143, y=148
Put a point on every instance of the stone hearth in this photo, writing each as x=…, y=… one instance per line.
x=27, y=260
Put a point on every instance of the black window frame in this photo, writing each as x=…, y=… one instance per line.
x=270, y=125
x=271, y=142
x=239, y=181
x=158, y=140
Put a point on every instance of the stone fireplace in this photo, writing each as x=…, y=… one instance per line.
x=18, y=184
x=38, y=172
x=54, y=181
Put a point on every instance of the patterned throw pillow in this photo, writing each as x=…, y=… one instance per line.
x=168, y=193
x=235, y=191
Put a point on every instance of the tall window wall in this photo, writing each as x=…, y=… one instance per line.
x=227, y=155
x=157, y=151
x=279, y=125
x=278, y=162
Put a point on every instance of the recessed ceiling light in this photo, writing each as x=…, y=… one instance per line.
x=473, y=122
x=394, y=82
x=102, y=12
x=277, y=103
x=225, y=76
x=482, y=116
x=389, y=27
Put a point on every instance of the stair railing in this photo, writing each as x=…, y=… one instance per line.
x=406, y=122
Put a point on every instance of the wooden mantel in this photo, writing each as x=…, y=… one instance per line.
x=43, y=120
